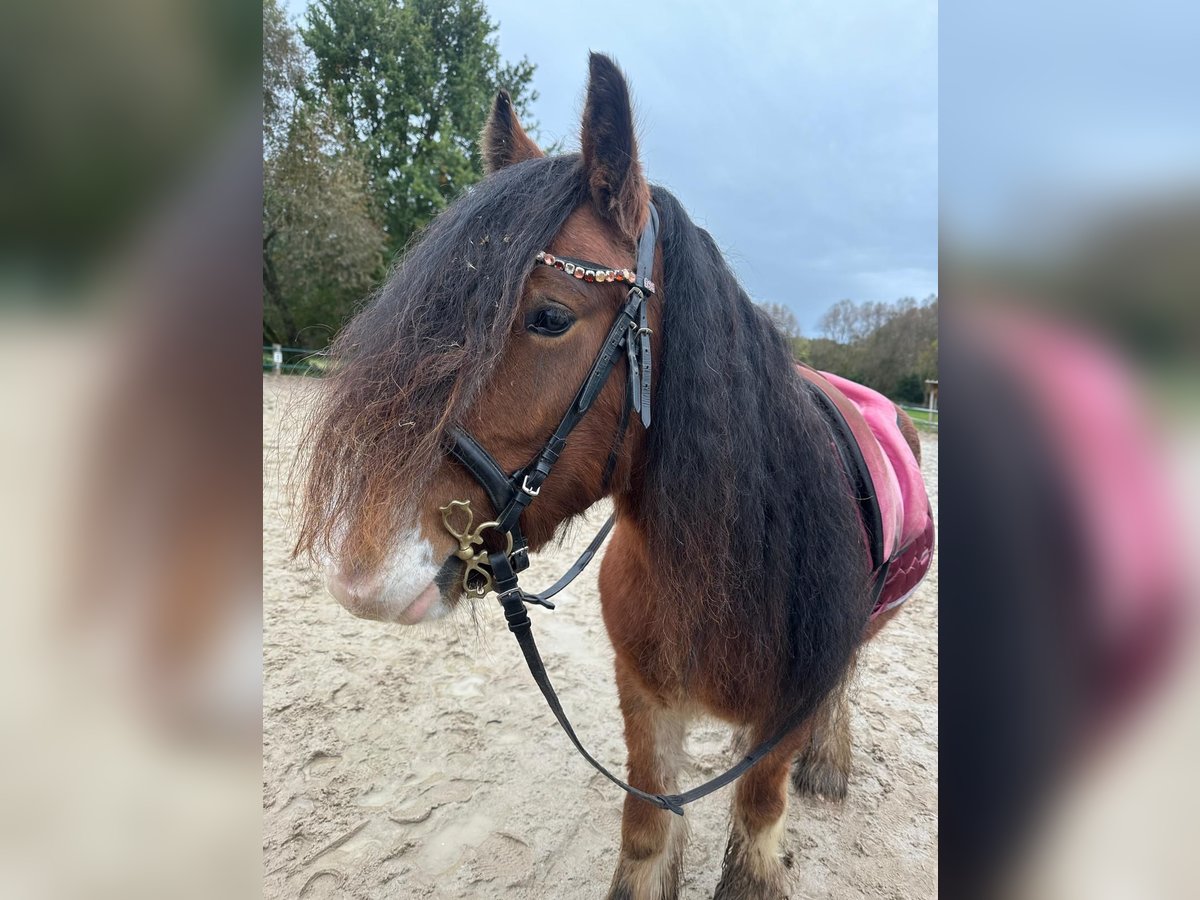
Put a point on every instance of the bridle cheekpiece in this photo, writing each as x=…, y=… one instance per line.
x=487, y=568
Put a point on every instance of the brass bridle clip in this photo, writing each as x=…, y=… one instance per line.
x=471, y=549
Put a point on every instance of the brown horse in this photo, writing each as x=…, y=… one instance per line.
x=736, y=583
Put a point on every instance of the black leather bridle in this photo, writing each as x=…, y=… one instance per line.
x=510, y=495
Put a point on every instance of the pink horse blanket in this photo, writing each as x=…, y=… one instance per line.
x=896, y=512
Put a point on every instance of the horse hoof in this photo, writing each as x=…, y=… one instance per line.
x=813, y=777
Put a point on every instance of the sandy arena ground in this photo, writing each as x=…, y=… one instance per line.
x=422, y=762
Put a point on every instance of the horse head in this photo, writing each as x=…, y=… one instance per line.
x=479, y=330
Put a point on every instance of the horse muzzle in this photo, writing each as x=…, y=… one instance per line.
x=403, y=588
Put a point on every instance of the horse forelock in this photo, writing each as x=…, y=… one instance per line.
x=414, y=359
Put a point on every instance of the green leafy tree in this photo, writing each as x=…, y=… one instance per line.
x=830, y=356
x=891, y=347
x=283, y=76
x=927, y=360
x=412, y=81
x=909, y=388
x=323, y=250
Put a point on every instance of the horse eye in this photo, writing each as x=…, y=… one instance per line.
x=550, y=320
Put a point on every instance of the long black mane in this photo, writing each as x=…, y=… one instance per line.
x=744, y=500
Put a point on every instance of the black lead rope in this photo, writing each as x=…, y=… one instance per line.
x=513, y=600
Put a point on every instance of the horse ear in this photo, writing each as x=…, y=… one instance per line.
x=504, y=140
x=610, y=156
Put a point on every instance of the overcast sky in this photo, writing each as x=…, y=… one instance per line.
x=802, y=135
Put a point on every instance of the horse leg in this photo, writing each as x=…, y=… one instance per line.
x=823, y=767
x=753, y=868
x=652, y=839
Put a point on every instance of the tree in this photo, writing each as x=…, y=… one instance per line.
x=784, y=319
x=412, y=82
x=830, y=356
x=909, y=388
x=283, y=76
x=323, y=250
x=847, y=322
x=891, y=347
x=897, y=349
x=838, y=323
x=927, y=361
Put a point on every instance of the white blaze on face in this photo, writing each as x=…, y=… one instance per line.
x=401, y=589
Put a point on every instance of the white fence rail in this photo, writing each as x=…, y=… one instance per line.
x=923, y=416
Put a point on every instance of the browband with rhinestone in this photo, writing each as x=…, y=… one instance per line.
x=587, y=271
